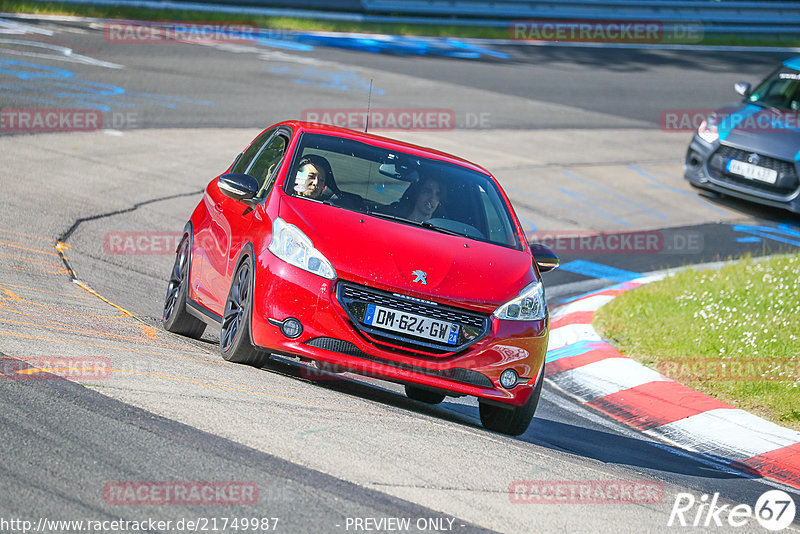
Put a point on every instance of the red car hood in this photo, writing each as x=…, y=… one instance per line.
x=384, y=254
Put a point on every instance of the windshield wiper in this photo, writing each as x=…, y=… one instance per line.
x=424, y=224
x=391, y=217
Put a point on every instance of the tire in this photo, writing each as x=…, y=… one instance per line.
x=424, y=395
x=234, y=335
x=512, y=420
x=175, y=317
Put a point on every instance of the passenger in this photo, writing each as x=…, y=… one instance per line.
x=312, y=174
x=422, y=200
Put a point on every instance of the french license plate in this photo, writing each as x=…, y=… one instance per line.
x=412, y=324
x=753, y=172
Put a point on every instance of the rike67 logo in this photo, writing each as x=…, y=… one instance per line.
x=774, y=510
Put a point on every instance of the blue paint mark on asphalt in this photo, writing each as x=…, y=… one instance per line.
x=621, y=285
x=400, y=45
x=281, y=44
x=598, y=270
x=65, y=89
x=616, y=195
x=568, y=351
x=33, y=71
x=659, y=184
x=748, y=240
x=344, y=80
x=784, y=233
x=603, y=214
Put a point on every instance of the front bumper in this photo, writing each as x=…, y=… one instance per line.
x=283, y=291
x=700, y=173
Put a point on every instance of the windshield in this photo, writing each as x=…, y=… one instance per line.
x=390, y=184
x=781, y=90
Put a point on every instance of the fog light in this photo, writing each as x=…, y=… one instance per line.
x=508, y=379
x=291, y=328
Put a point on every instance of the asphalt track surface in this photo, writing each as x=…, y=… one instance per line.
x=573, y=135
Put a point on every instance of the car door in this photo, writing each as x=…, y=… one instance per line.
x=211, y=240
x=231, y=220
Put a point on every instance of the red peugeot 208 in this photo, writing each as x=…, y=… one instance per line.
x=372, y=256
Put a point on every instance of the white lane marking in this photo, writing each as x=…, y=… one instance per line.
x=611, y=375
x=729, y=432
x=591, y=303
x=16, y=28
x=268, y=55
x=57, y=53
x=571, y=333
x=649, y=278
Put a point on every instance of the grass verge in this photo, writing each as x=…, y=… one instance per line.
x=304, y=24
x=733, y=333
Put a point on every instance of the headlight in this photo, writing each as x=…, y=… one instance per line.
x=292, y=246
x=708, y=129
x=528, y=306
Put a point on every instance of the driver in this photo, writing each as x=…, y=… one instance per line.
x=422, y=199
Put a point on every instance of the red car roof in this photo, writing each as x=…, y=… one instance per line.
x=384, y=142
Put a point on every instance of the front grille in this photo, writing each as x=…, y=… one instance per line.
x=466, y=376
x=787, y=172
x=355, y=299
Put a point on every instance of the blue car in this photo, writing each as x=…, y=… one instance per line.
x=752, y=150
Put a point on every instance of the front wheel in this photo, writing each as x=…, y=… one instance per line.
x=175, y=318
x=234, y=335
x=512, y=420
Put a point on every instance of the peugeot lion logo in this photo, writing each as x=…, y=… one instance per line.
x=753, y=158
x=421, y=277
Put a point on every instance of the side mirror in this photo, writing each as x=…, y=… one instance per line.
x=240, y=187
x=546, y=259
x=742, y=88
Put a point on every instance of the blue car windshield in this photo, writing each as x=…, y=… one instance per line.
x=391, y=184
x=780, y=90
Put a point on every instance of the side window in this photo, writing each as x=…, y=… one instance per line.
x=497, y=221
x=267, y=161
x=250, y=152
